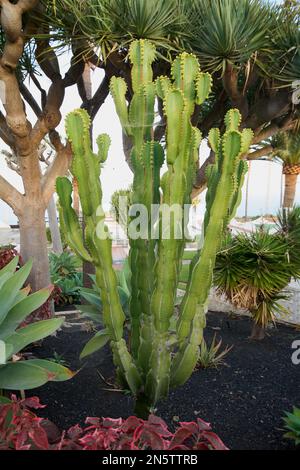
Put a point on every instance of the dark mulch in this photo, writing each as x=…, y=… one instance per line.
x=244, y=400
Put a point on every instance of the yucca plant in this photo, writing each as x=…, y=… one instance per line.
x=287, y=148
x=252, y=271
x=15, y=305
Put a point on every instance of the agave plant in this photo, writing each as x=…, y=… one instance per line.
x=252, y=271
x=15, y=305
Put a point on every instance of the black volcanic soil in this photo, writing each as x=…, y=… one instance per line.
x=244, y=399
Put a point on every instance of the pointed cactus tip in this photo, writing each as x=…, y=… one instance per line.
x=233, y=120
x=103, y=142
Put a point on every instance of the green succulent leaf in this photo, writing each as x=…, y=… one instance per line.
x=23, y=376
x=96, y=343
x=31, y=333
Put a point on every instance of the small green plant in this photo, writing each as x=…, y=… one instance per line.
x=292, y=424
x=212, y=356
x=68, y=292
x=58, y=359
x=15, y=306
x=62, y=236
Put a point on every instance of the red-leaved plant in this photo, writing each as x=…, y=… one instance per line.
x=21, y=429
x=7, y=254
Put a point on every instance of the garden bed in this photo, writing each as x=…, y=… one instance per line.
x=244, y=399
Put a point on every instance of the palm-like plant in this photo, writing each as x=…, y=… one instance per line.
x=252, y=271
x=287, y=148
x=112, y=24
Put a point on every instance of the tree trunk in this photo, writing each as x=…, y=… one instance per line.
x=54, y=227
x=258, y=332
x=290, y=190
x=34, y=244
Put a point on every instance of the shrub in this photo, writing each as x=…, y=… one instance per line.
x=252, y=271
x=212, y=355
x=92, y=305
x=62, y=236
x=21, y=429
x=65, y=277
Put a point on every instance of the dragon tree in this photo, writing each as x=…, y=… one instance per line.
x=250, y=47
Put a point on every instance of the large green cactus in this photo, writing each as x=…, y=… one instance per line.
x=157, y=357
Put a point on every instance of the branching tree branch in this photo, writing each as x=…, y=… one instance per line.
x=10, y=195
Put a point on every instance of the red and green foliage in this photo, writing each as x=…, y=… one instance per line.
x=21, y=429
x=7, y=254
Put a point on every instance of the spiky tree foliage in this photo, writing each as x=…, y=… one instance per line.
x=253, y=270
x=15, y=306
x=252, y=69
x=158, y=356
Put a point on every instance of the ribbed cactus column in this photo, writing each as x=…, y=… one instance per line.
x=190, y=87
x=147, y=158
x=157, y=356
x=225, y=180
x=96, y=245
